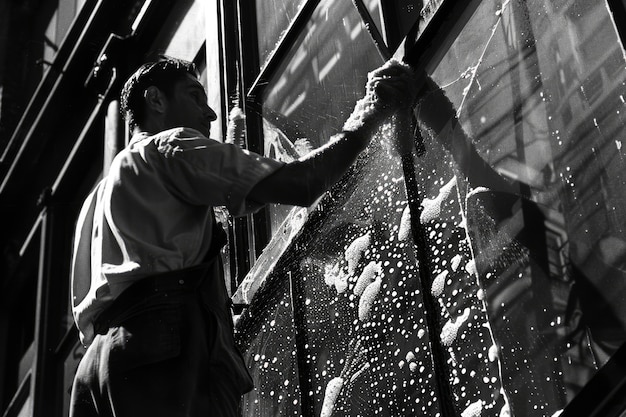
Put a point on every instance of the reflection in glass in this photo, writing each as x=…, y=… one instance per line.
x=316, y=88
x=539, y=89
x=350, y=276
x=527, y=272
x=273, y=19
x=266, y=333
x=275, y=16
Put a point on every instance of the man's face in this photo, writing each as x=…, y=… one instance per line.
x=188, y=106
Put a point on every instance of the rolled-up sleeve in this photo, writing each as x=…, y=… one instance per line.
x=207, y=172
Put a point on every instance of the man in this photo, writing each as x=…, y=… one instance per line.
x=147, y=288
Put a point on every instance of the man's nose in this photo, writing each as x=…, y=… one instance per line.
x=210, y=114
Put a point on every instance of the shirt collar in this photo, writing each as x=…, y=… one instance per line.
x=138, y=136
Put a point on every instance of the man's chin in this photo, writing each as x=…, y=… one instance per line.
x=206, y=131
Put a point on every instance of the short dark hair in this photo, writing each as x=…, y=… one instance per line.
x=163, y=74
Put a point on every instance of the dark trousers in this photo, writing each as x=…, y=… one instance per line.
x=165, y=348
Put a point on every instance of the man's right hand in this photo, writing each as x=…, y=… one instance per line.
x=393, y=86
x=389, y=89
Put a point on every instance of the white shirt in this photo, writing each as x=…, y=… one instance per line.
x=152, y=213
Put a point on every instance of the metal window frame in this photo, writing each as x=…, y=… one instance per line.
x=250, y=234
x=253, y=93
x=257, y=224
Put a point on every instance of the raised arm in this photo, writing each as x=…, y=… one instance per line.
x=301, y=182
x=390, y=90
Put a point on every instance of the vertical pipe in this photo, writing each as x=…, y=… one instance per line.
x=250, y=67
x=245, y=15
x=114, y=135
x=229, y=57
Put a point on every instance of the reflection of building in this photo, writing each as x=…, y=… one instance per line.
x=305, y=89
x=583, y=77
x=588, y=98
x=545, y=110
x=591, y=102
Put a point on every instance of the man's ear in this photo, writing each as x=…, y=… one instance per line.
x=155, y=99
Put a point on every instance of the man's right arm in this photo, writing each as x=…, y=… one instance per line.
x=302, y=182
x=390, y=90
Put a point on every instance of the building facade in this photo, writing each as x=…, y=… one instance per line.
x=418, y=284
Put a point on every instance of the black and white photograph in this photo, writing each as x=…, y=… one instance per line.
x=312, y=208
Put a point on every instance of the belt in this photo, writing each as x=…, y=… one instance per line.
x=188, y=280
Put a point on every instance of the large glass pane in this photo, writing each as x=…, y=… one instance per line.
x=316, y=88
x=265, y=334
x=522, y=212
x=539, y=90
x=364, y=348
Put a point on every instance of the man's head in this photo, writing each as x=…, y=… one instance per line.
x=166, y=94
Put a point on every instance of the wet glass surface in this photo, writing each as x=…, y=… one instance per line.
x=273, y=19
x=542, y=99
x=522, y=212
x=316, y=88
x=275, y=16
x=350, y=274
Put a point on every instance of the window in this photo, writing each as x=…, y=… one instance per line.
x=314, y=91
x=503, y=78
x=525, y=277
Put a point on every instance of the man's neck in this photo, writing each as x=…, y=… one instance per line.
x=137, y=130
